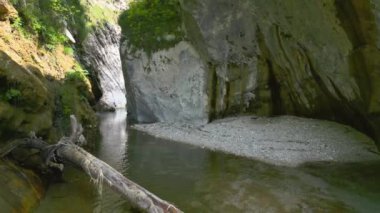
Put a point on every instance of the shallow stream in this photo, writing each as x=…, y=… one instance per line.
x=199, y=180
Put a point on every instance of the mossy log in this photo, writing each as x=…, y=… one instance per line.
x=68, y=149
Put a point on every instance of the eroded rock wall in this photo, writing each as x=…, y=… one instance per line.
x=308, y=58
x=101, y=54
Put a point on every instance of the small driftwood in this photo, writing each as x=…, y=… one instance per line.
x=67, y=149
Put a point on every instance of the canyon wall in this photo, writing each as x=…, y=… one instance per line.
x=308, y=58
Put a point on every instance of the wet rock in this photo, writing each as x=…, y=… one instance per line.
x=21, y=190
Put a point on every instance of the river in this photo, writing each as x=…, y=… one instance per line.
x=199, y=180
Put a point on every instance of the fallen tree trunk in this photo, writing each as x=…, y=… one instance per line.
x=68, y=150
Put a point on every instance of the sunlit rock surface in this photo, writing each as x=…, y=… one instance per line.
x=101, y=53
x=309, y=58
x=166, y=86
x=285, y=140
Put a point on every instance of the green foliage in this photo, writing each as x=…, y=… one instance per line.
x=47, y=19
x=68, y=99
x=11, y=95
x=152, y=24
x=76, y=74
x=17, y=24
x=74, y=94
x=68, y=50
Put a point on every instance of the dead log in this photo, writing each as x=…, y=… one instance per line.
x=67, y=149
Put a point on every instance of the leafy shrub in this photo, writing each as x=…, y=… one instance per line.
x=152, y=24
x=17, y=24
x=47, y=18
x=76, y=74
x=11, y=95
x=68, y=50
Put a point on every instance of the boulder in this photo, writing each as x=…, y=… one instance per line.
x=169, y=85
x=21, y=190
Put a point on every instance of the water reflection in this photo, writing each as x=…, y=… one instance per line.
x=199, y=180
x=112, y=149
x=113, y=132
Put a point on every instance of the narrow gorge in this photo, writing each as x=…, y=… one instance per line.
x=213, y=105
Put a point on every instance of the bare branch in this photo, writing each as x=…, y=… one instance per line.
x=67, y=149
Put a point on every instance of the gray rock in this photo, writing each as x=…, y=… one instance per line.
x=101, y=54
x=286, y=140
x=308, y=58
x=315, y=59
x=167, y=86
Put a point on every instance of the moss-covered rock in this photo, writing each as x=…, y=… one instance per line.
x=26, y=104
x=21, y=190
x=29, y=102
x=74, y=100
x=152, y=25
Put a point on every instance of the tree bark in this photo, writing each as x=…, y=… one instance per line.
x=68, y=150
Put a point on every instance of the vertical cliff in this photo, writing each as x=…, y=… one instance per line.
x=321, y=66
x=307, y=58
x=101, y=51
x=101, y=55
x=165, y=75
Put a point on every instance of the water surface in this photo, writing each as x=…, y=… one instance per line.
x=199, y=180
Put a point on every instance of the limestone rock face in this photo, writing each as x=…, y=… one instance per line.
x=308, y=58
x=102, y=55
x=166, y=86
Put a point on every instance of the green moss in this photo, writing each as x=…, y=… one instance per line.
x=77, y=74
x=97, y=13
x=73, y=100
x=11, y=95
x=152, y=25
x=74, y=96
